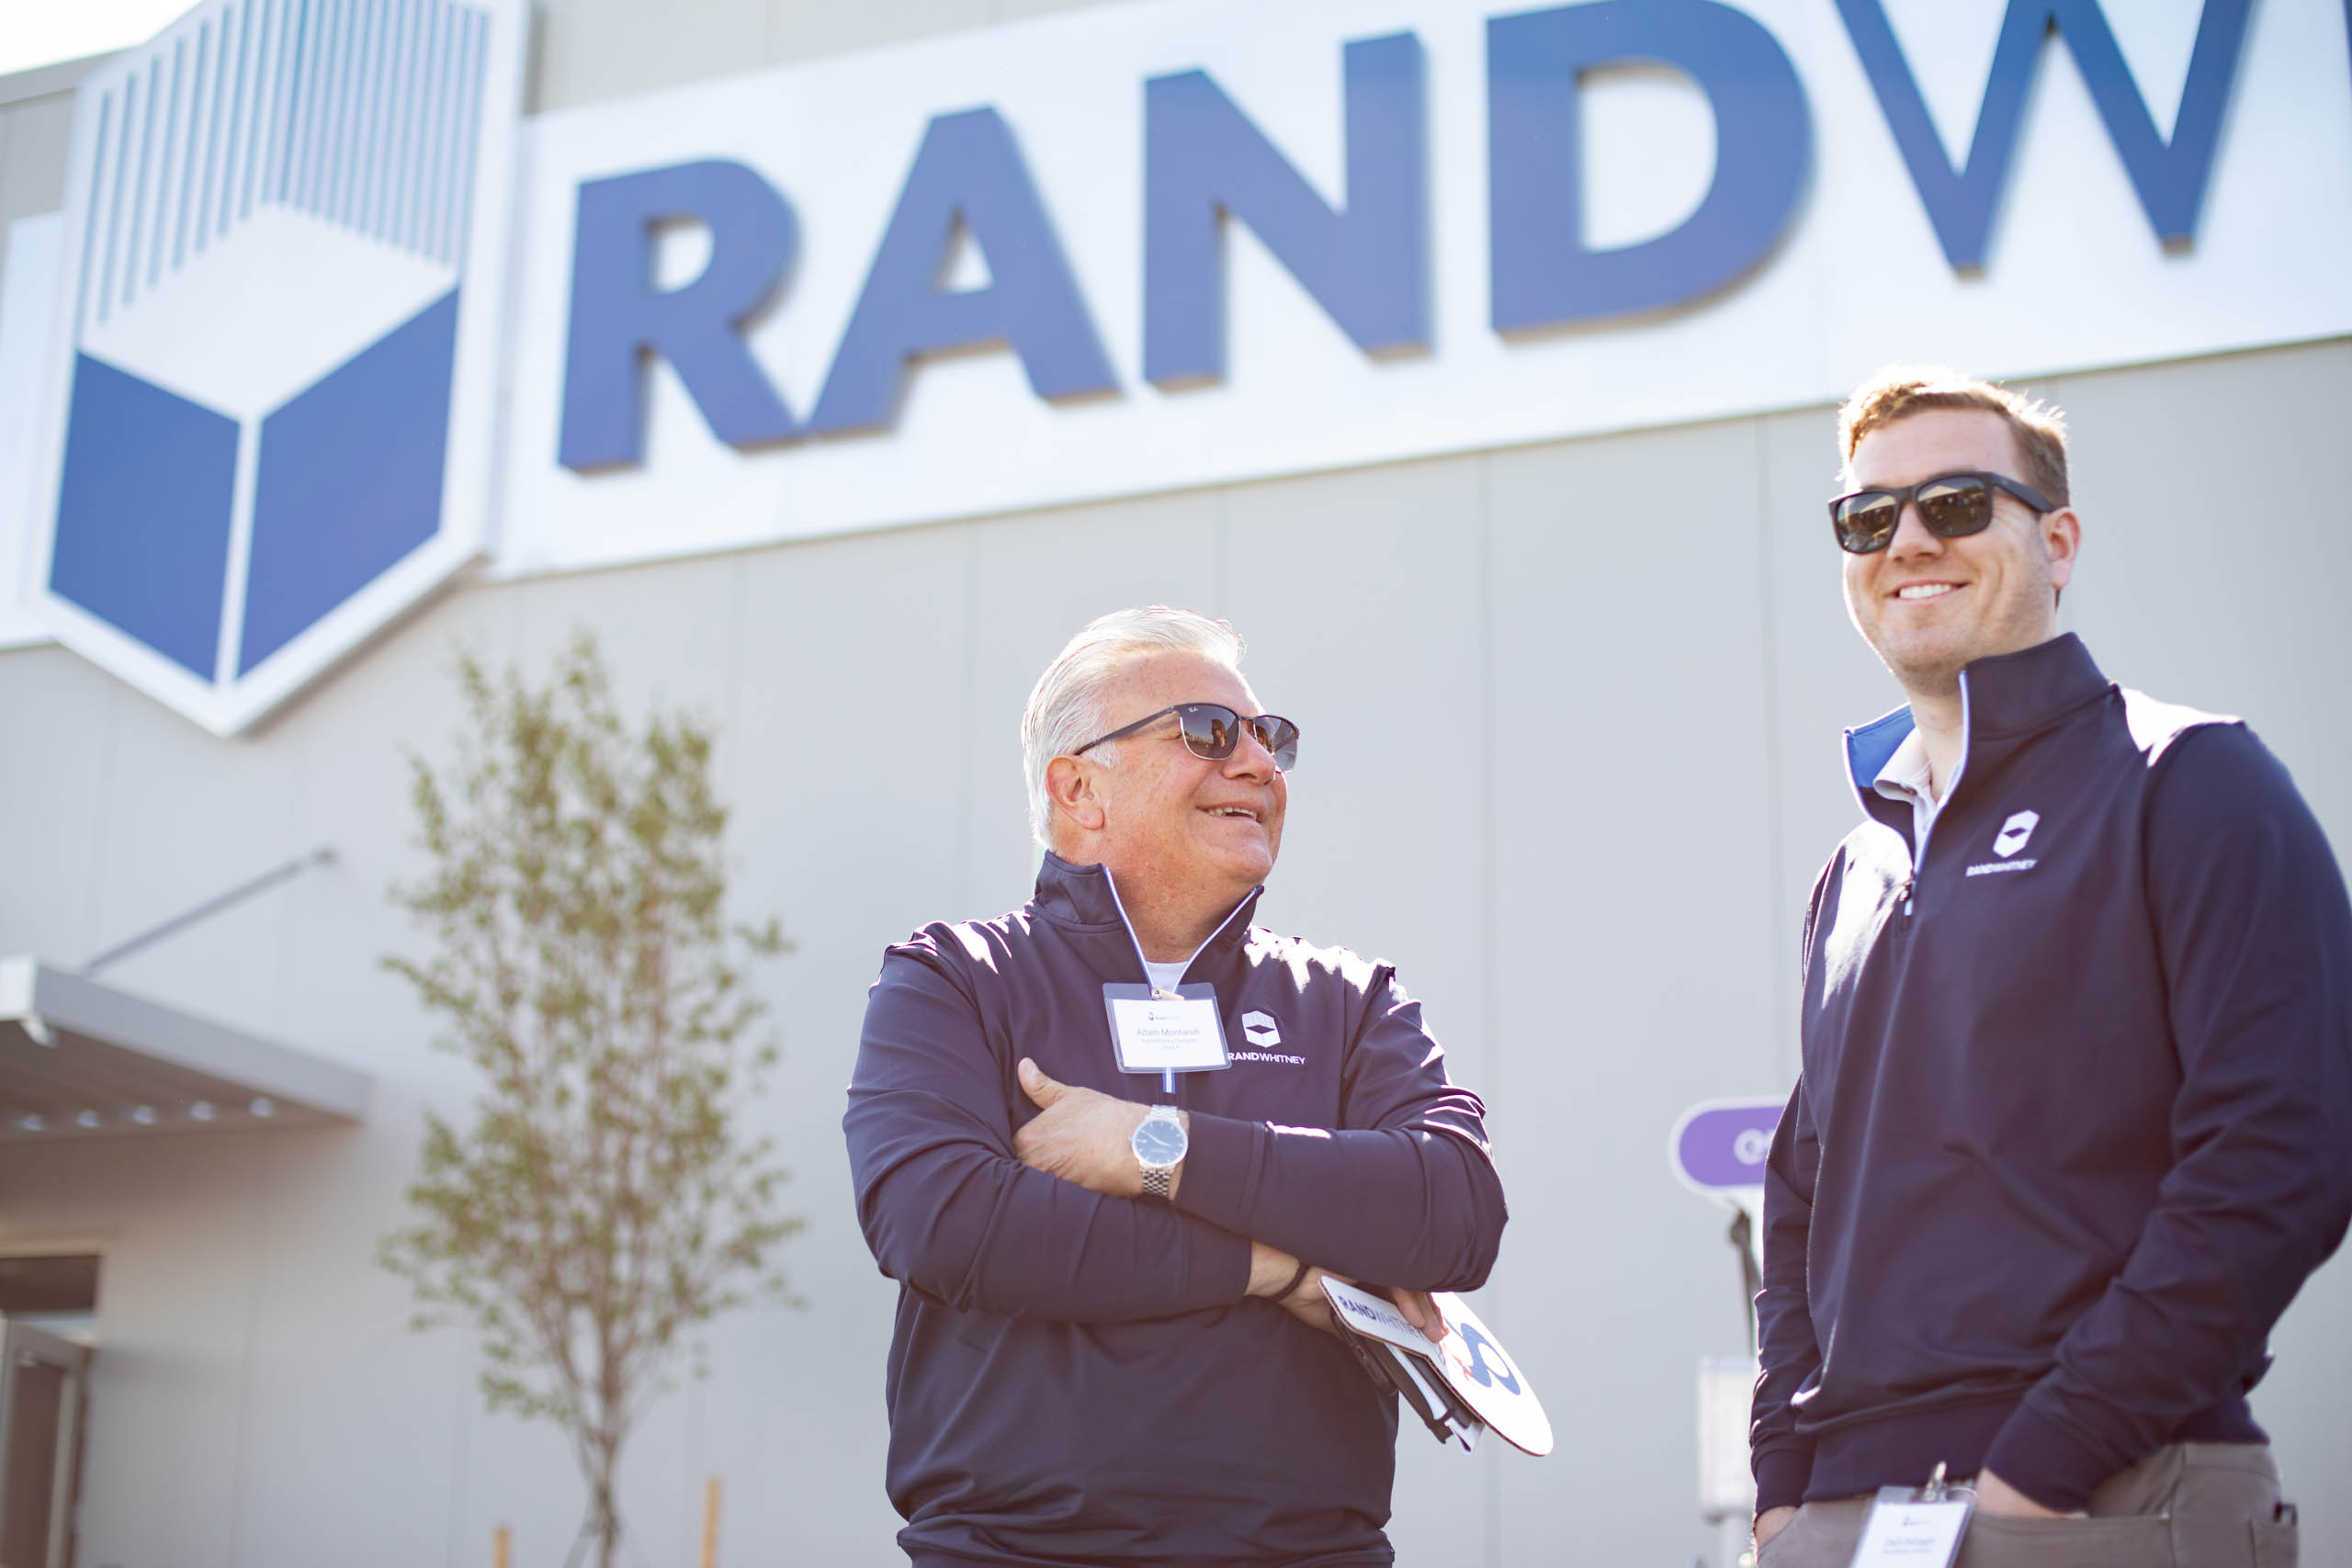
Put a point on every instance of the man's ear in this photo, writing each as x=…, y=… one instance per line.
x=1070, y=786
x=2061, y=536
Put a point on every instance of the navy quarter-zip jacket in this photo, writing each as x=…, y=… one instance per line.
x=2075, y=1118
x=1078, y=1378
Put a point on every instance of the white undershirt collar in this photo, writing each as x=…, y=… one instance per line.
x=1907, y=776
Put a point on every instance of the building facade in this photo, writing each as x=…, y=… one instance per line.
x=1529, y=541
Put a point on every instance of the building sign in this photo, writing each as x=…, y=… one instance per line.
x=271, y=384
x=1149, y=246
x=1124, y=249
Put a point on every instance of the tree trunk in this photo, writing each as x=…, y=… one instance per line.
x=607, y=1511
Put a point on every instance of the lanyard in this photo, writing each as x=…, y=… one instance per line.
x=1135, y=1032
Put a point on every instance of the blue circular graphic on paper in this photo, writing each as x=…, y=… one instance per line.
x=1487, y=1376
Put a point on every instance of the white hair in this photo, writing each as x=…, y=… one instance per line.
x=1065, y=707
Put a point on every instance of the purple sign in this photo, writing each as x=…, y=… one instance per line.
x=1719, y=1145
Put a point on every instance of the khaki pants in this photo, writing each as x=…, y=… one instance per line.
x=2189, y=1506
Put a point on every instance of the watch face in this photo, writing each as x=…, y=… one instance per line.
x=1159, y=1142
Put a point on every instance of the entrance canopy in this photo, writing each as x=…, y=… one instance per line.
x=79, y=1058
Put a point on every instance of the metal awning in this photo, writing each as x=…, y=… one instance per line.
x=81, y=1058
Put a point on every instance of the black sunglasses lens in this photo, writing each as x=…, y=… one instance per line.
x=1952, y=508
x=1279, y=736
x=1866, y=523
x=1210, y=731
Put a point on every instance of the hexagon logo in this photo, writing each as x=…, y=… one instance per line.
x=2016, y=831
x=269, y=404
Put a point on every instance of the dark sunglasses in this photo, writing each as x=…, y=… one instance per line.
x=1952, y=506
x=1212, y=730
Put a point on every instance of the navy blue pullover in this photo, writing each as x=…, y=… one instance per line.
x=1078, y=1378
x=2074, y=1121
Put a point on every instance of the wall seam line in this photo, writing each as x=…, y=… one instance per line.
x=1776, y=823
x=1489, y=705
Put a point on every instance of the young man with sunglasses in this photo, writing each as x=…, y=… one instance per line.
x=1109, y=1143
x=2075, y=1120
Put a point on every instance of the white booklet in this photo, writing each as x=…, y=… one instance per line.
x=1477, y=1383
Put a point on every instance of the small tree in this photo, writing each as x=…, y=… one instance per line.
x=601, y=1200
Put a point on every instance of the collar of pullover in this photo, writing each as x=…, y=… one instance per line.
x=2009, y=696
x=1082, y=896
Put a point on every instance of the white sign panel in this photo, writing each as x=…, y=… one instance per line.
x=1589, y=264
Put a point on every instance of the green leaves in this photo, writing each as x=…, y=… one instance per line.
x=601, y=1201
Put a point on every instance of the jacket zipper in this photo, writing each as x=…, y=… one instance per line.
x=1112, y=883
x=1952, y=787
x=1166, y=1080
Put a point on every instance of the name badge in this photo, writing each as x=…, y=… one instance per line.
x=1157, y=1030
x=1914, y=1529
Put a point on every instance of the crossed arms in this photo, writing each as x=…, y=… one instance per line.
x=1402, y=1193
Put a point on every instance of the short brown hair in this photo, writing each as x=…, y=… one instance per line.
x=1901, y=390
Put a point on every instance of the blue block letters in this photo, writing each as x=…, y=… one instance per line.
x=1366, y=260
x=618, y=319
x=2169, y=178
x=1367, y=264
x=1544, y=273
x=970, y=173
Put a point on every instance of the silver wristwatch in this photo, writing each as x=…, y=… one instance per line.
x=1160, y=1143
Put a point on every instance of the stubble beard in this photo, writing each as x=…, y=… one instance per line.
x=1934, y=677
x=2027, y=620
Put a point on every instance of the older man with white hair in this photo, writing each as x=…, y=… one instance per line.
x=1107, y=1143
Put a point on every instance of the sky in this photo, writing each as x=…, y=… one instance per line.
x=39, y=32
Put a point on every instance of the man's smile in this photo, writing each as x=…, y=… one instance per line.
x=1916, y=590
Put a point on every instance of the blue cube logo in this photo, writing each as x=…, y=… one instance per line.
x=270, y=429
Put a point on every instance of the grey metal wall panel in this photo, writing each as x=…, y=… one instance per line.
x=1631, y=856
x=60, y=715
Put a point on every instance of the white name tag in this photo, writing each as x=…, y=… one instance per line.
x=1904, y=1532
x=1160, y=1032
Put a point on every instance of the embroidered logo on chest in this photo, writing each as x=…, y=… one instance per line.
x=2008, y=842
x=1263, y=1034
